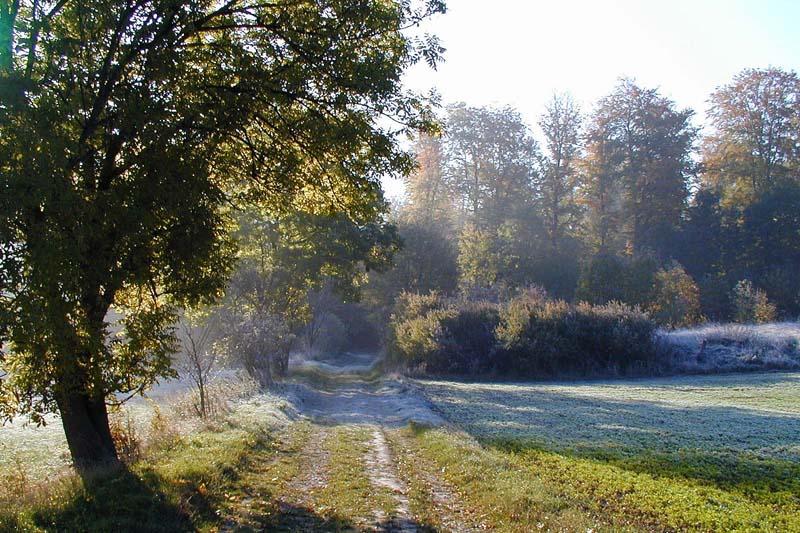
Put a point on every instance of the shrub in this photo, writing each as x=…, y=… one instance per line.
x=554, y=338
x=752, y=305
x=415, y=341
x=411, y=305
x=676, y=298
x=454, y=339
x=467, y=338
x=529, y=336
x=126, y=436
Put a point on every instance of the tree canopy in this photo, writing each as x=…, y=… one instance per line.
x=130, y=131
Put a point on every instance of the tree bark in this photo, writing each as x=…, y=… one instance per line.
x=85, y=421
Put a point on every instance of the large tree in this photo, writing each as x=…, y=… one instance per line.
x=128, y=131
x=642, y=144
x=492, y=164
x=755, y=141
x=561, y=126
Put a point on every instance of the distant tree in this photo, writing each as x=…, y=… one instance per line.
x=756, y=138
x=283, y=260
x=627, y=279
x=561, y=126
x=492, y=164
x=429, y=197
x=128, y=129
x=479, y=260
x=321, y=303
x=601, y=188
x=640, y=147
x=426, y=261
x=771, y=228
x=702, y=237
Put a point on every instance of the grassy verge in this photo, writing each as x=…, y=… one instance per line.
x=436, y=505
x=412, y=470
x=526, y=488
x=177, y=487
x=183, y=481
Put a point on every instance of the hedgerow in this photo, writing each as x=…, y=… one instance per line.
x=527, y=336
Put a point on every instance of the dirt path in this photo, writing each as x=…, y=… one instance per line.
x=419, y=500
x=382, y=473
x=388, y=403
x=352, y=468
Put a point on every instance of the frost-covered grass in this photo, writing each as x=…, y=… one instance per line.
x=40, y=452
x=753, y=413
x=736, y=347
x=693, y=452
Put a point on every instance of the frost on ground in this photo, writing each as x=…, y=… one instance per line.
x=736, y=347
x=388, y=403
x=347, y=363
x=756, y=414
x=41, y=452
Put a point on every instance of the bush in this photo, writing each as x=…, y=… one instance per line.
x=549, y=338
x=467, y=338
x=126, y=437
x=529, y=336
x=450, y=338
x=752, y=305
x=676, y=298
x=411, y=305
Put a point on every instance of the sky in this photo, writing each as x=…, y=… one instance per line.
x=519, y=52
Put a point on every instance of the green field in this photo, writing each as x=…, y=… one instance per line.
x=706, y=453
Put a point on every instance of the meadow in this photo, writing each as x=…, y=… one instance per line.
x=691, y=453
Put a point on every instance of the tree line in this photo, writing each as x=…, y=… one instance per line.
x=626, y=202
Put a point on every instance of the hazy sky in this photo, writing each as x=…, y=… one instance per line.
x=518, y=52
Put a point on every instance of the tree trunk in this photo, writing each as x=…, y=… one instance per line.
x=201, y=385
x=85, y=421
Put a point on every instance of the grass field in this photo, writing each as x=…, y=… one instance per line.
x=702, y=453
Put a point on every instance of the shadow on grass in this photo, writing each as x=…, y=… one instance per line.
x=743, y=450
x=121, y=501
